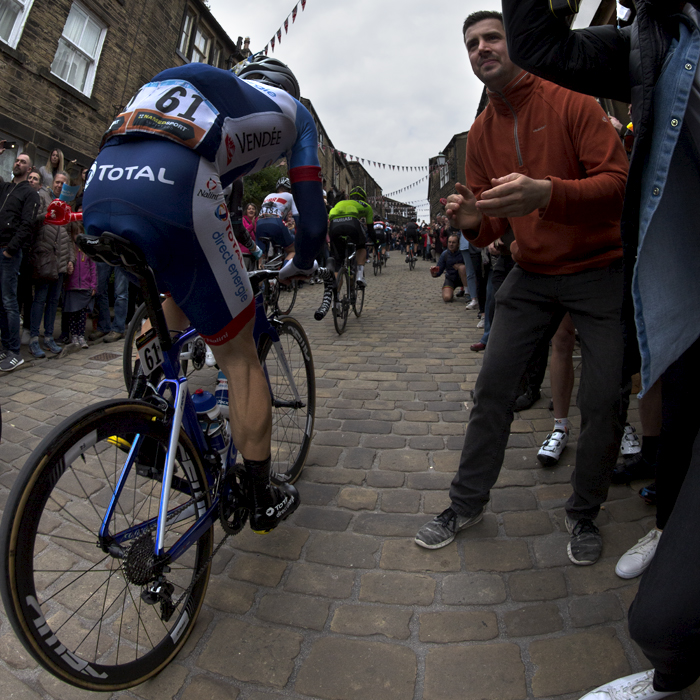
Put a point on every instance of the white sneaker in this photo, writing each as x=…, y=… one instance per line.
x=480, y=324
x=636, y=559
x=473, y=304
x=630, y=442
x=552, y=447
x=636, y=687
x=209, y=359
x=26, y=337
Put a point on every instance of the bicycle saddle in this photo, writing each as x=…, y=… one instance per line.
x=113, y=250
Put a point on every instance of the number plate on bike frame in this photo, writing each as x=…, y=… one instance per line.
x=149, y=350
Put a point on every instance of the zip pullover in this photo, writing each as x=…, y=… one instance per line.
x=547, y=132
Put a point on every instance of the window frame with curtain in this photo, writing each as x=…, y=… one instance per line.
x=14, y=25
x=75, y=54
x=200, y=31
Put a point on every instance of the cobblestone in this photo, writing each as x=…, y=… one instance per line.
x=339, y=603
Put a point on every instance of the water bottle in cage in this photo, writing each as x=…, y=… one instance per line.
x=214, y=425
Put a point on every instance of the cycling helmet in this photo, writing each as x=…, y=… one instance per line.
x=358, y=193
x=270, y=71
x=283, y=182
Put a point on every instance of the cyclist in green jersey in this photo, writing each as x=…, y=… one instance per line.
x=352, y=218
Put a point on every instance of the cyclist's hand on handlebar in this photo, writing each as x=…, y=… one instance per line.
x=291, y=272
x=257, y=253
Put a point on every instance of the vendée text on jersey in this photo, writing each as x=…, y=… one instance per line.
x=261, y=139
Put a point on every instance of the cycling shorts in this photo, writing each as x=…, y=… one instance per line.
x=411, y=237
x=346, y=227
x=168, y=201
x=274, y=228
x=378, y=238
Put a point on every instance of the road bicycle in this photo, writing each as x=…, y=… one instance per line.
x=411, y=258
x=278, y=298
x=378, y=261
x=107, y=537
x=342, y=293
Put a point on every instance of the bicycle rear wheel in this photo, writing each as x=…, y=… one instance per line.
x=289, y=368
x=375, y=265
x=358, y=298
x=341, y=306
x=286, y=296
x=74, y=597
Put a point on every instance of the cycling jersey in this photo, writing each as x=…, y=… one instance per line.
x=159, y=179
x=278, y=204
x=411, y=232
x=354, y=208
x=378, y=234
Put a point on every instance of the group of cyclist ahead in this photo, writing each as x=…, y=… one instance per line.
x=159, y=182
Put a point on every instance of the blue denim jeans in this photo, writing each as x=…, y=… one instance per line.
x=46, y=296
x=121, y=298
x=471, y=275
x=9, y=307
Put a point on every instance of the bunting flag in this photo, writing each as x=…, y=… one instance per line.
x=285, y=24
x=391, y=166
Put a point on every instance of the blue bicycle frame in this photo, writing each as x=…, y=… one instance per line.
x=184, y=416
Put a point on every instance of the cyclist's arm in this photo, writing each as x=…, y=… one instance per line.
x=305, y=176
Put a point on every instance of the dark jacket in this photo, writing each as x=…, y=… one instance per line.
x=620, y=64
x=18, y=206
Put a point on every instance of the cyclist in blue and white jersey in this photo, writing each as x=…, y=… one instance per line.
x=159, y=180
x=274, y=211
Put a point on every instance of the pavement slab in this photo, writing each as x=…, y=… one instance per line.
x=339, y=603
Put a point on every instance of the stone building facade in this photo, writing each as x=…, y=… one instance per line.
x=67, y=67
x=445, y=175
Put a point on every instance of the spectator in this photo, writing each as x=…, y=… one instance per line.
x=19, y=204
x=52, y=248
x=471, y=287
x=655, y=64
x=81, y=287
x=452, y=265
x=565, y=218
x=55, y=164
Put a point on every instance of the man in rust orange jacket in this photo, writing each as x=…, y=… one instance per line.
x=546, y=162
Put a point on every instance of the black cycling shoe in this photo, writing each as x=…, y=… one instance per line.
x=631, y=469
x=648, y=494
x=272, y=505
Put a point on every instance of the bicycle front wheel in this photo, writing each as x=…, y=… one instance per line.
x=341, y=305
x=289, y=368
x=74, y=580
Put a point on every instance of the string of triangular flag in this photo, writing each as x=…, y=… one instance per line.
x=278, y=35
x=377, y=164
x=408, y=187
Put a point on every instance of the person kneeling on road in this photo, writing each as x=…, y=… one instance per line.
x=452, y=264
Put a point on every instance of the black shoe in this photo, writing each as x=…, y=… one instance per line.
x=586, y=544
x=648, y=494
x=632, y=468
x=526, y=400
x=271, y=506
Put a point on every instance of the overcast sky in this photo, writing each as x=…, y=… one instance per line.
x=389, y=80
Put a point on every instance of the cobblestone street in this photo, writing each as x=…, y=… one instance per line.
x=339, y=603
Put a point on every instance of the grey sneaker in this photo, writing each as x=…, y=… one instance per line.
x=10, y=362
x=113, y=336
x=586, y=543
x=442, y=529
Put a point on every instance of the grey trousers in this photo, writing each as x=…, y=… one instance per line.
x=529, y=309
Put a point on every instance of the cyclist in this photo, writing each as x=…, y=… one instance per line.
x=411, y=234
x=274, y=211
x=378, y=240
x=159, y=180
x=352, y=218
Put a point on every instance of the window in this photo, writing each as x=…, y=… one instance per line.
x=186, y=35
x=13, y=15
x=200, y=50
x=9, y=155
x=215, y=58
x=79, y=49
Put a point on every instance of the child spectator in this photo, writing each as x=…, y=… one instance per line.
x=81, y=287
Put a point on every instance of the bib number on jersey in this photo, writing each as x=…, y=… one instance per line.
x=173, y=109
x=150, y=352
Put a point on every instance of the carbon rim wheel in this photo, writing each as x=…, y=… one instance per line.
x=341, y=304
x=359, y=300
x=292, y=411
x=74, y=598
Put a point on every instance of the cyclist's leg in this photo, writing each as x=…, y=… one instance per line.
x=361, y=244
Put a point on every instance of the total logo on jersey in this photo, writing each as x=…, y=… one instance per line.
x=221, y=212
x=112, y=173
